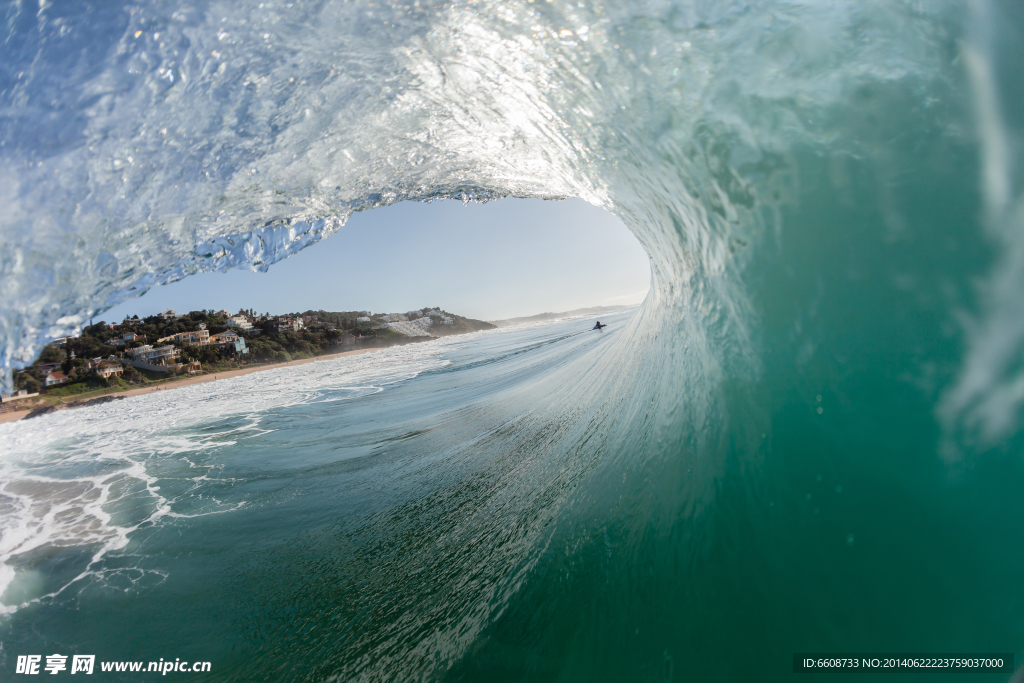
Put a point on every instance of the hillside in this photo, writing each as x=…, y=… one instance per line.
x=348, y=320
x=266, y=339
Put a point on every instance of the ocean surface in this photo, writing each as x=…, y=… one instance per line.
x=807, y=439
x=319, y=520
x=487, y=507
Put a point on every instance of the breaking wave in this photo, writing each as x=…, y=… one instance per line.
x=143, y=143
x=830, y=194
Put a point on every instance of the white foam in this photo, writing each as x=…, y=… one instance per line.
x=63, y=475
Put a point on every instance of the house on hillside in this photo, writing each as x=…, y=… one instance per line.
x=153, y=356
x=169, y=314
x=108, y=369
x=197, y=338
x=191, y=367
x=162, y=359
x=229, y=342
x=239, y=321
x=128, y=338
x=158, y=360
x=281, y=325
x=61, y=341
x=54, y=378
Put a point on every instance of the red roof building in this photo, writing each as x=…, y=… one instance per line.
x=55, y=378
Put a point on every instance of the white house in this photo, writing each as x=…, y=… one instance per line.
x=197, y=338
x=160, y=356
x=61, y=341
x=54, y=378
x=106, y=369
x=239, y=321
x=285, y=325
x=163, y=359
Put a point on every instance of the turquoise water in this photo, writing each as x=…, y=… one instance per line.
x=808, y=437
x=486, y=507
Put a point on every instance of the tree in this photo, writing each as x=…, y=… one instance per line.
x=132, y=374
x=27, y=382
x=73, y=367
x=51, y=354
x=78, y=369
x=96, y=330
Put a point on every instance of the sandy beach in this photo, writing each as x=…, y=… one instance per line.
x=199, y=379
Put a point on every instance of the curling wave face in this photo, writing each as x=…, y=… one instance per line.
x=826, y=372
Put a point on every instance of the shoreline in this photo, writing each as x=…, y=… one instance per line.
x=20, y=414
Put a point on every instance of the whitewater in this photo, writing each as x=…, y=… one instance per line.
x=807, y=439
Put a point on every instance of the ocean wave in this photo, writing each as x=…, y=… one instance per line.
x=150, y=459
x=827, y=364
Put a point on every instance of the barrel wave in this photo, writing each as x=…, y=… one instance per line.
x=807, y=439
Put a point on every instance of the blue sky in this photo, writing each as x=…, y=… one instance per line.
x=502, y=259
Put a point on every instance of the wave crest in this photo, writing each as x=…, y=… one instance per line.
x=143, y=144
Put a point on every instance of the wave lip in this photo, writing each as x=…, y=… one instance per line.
x=220, y=137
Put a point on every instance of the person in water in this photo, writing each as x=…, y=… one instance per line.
x=599, y=325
